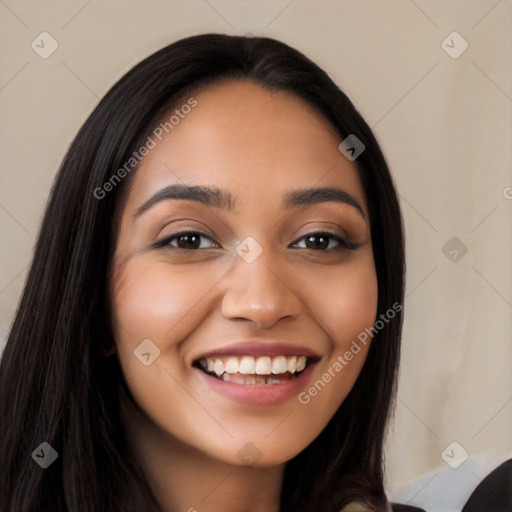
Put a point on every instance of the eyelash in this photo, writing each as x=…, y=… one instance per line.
x=344, y=244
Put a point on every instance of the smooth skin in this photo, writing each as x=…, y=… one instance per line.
x=257, y=146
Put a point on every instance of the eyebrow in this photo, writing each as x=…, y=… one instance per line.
x=308, y=196
x=214, y=197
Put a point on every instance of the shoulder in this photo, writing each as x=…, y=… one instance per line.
x=494, y=493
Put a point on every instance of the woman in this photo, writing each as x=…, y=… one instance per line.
x=212, y=317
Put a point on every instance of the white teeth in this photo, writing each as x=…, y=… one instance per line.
x=225, y=377
x=291, y=364
x=301, y=363
x=279, y=365
x=247, y=365
x=263, y=365
x=218, y=367
x=232, y=365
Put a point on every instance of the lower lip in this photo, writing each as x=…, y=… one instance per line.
x=259, y=395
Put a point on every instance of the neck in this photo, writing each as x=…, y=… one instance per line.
x=185, y=479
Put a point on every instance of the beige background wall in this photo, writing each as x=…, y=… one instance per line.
x=444, y=123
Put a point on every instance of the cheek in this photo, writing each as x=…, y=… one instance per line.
x=348, y=305
x=142, y=303
x=346, y=302
x=152, y=300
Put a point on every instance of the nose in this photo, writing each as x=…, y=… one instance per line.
x=259, y=292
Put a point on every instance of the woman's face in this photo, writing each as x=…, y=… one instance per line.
x=213, y=326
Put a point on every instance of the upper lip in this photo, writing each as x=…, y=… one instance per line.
x=257, y=348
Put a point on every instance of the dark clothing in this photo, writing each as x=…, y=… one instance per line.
x=405, y=508
x=494, y=494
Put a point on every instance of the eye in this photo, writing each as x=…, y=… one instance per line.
x=325, y=241
x=195, y=240
x=186, y=240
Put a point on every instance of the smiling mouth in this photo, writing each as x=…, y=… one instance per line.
x=251, y=371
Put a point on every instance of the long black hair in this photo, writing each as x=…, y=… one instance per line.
x=57, y=385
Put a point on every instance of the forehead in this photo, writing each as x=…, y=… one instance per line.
x=267, y=122
x=241, y=135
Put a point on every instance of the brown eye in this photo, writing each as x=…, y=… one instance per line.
x=317, y=241
x=325, y=241
x=186, y=240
